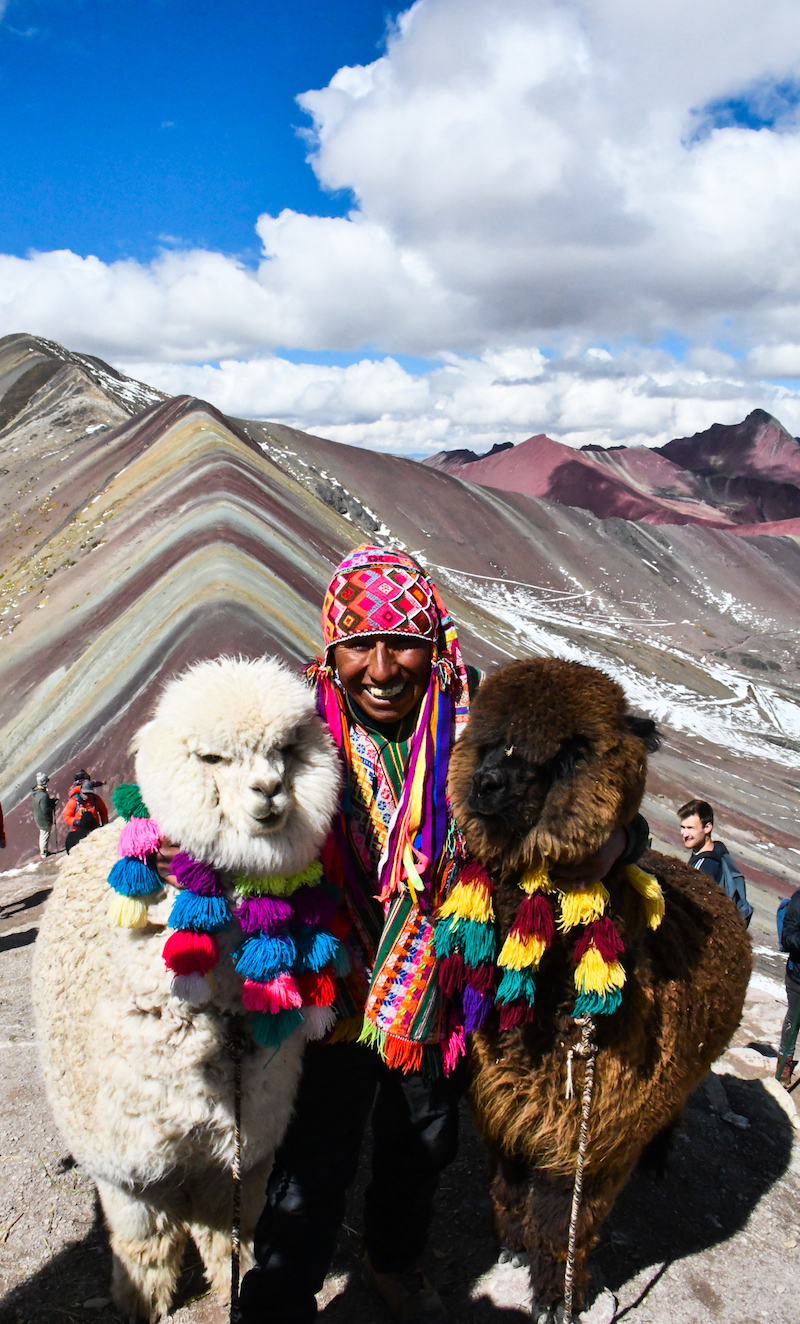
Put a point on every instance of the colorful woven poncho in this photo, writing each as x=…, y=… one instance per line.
x=389, y=848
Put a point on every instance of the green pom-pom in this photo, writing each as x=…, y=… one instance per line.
x=271, y=1030
x=128, y=802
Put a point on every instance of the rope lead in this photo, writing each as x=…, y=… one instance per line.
x=587, y=1049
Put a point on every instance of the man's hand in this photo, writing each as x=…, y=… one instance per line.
x=583, y=873
x=166, y=854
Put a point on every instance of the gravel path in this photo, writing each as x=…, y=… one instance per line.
x=717, y=1238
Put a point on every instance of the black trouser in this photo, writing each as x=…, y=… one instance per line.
x=792, y=985
x=415, y=1136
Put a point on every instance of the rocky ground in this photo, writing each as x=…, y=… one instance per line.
x=717, y=1238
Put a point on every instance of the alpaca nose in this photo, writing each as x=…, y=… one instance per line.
x=489, y=790
x=266, y=784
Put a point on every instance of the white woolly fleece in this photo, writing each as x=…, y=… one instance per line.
x=259, y=721
x=140, y=1082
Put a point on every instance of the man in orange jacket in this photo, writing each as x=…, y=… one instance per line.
x=83, y=812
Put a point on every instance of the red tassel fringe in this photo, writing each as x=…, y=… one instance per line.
x=535, y=919
x=481, y=978
x=452, y=975
x=317, y=989
x=403, y=1054
x=604, y=936
x=188, y=953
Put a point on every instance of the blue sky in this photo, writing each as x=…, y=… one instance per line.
x=128, y=121
x=576, y=217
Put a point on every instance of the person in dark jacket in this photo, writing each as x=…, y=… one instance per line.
x=2, y=831
x=44, y=808
x=790, y=942
x=713, y=857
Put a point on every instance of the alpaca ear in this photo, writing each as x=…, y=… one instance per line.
x=646, y=730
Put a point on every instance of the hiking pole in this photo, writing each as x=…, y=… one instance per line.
x=791, y=1036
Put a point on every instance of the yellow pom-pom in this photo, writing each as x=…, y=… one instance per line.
x=648, y=887
x=594, y=975
x=522, y=953
x=469, y=901
x=582, y=906
x=538, y=880
x=127, y=912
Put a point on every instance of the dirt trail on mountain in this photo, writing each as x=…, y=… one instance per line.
x=718, y=1238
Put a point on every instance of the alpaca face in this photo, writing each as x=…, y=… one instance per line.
x=236, y=767
x=550, y=764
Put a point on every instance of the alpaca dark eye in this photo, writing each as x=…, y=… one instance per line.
x=286, y=750
x=210, y=758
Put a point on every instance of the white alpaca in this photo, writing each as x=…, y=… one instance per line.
x=237, y=768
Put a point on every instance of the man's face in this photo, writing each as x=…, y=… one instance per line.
x=386, y=676
x=694, y=832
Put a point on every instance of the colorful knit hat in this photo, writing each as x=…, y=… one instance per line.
x=379, y=590
x=382, y=591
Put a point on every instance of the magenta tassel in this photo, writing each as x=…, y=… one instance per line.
x=195, y=876
x=263, y=912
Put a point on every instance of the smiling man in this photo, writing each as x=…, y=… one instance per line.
x=394, y=690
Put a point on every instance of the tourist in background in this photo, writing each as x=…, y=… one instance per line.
x=712, y=857
x=2, y=831
x=44, y=808
x=83, y=812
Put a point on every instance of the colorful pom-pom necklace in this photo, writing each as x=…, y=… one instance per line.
x=473, y=973
x=289, y=958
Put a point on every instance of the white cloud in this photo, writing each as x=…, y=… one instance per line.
x=505, y=395
x=531, y=172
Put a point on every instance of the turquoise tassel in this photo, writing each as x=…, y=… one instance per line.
x=263, y=958
x=597, y=1004
x=475, y=941
x=271, y=1030
x=314, y=950
x=131, y=877
x=204, y=914
x=517, y=984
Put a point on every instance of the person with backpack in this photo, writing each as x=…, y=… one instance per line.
x=83, y=812
x=712, y=857
x=789, y=941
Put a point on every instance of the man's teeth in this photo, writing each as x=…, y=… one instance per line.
x=386, y=691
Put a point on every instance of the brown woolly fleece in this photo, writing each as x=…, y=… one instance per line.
x=551, y=763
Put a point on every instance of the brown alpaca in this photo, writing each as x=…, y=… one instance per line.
x=551, y=763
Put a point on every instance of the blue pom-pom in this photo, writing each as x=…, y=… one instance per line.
x=598, y=1004
x=476, y=942
x=271, y=1030
x=263, y=958
x=204, y=914
x=314, y=950
x=131, y=877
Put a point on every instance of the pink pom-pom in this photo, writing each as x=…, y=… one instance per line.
x=189, y=953
x=139, y=838
x=277, y=995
